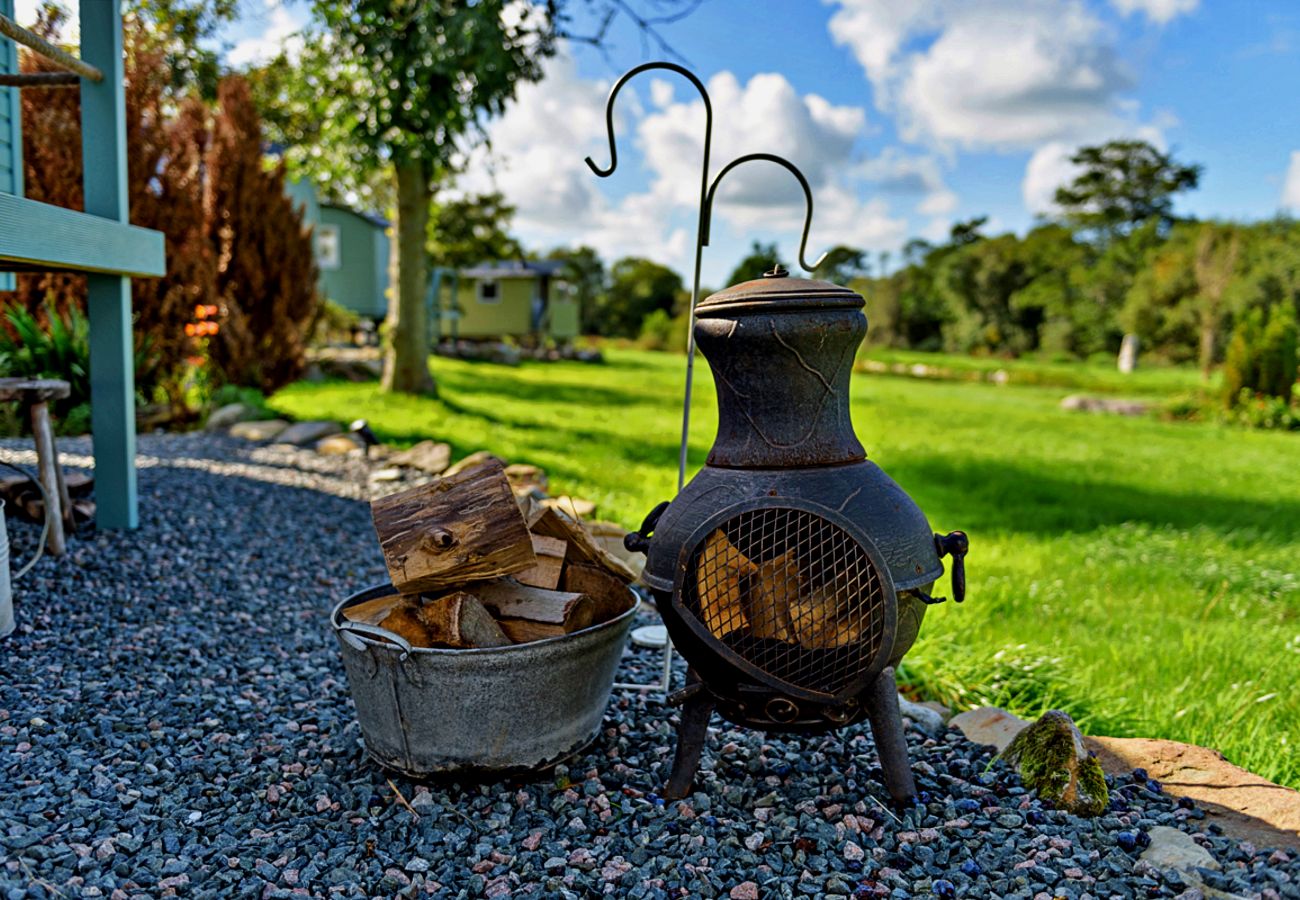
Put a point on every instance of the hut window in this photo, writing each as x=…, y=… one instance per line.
x=487, y=292
x=327, y=246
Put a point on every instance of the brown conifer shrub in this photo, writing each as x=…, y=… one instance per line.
x=266, y=287
x=164, y=189
x=266, y=270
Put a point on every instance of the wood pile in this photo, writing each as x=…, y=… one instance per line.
x=476, y=567
x=774, y=600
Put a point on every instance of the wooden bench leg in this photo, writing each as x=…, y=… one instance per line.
x=48, y=465
x=65, y=499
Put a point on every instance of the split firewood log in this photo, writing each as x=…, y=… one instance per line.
x=718, y=584
x=609, y=595
x=771, y=588
x=372, y=612
x=459, y=528
x=530, y=614
x=826, y=616
x=457, y=620
x=583, y=548
x=550, y=553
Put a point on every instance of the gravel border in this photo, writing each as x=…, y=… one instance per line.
x=174, y=719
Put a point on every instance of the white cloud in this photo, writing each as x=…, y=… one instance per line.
x=987, y=74
x=893, y=172
x=1291, y=186
x=1158, y=11
x=537, y=149
x=1048, y=169
x=280, y=33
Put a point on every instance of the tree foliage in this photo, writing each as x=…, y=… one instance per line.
x=1123, y=185
x=637, y=287
x=472, y=229
x=761, y=258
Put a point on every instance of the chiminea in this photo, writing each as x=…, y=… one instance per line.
x=791, y=572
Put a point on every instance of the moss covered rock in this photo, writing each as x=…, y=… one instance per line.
x=1054, y=763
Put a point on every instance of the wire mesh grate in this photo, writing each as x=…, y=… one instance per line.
x=791, y=593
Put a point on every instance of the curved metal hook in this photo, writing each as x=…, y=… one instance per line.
x=609, y=116
x=706, y=218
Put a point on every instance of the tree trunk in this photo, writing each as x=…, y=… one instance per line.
x=1209, y=340
x=406, y=356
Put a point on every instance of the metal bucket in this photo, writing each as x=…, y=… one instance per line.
x=7, y=622
x=478, y=712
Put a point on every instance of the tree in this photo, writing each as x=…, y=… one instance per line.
x=398, y=87
x=388, y=95
x=184, y=30
x=472, y=230
x=761, y=258
x=637, y=287
x=266, y=271
x=967, y=232
x=1123, y=185
x=1215, y=265
x=585, y=272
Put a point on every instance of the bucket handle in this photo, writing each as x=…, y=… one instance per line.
x=45, y=526
x=381, y=634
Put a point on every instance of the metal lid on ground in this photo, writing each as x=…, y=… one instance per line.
x=777, y=291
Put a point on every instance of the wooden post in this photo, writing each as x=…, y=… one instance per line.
x=47, y=463
x=108, y=297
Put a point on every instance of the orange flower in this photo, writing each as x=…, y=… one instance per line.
x=190, y=329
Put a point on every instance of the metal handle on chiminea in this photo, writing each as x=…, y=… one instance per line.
x=639, y=541
x=955, y=544
x=706, y=218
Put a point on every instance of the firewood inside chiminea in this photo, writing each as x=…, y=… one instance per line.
x=797, y=597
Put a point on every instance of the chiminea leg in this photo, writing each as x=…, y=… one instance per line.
x=696, y=710
x=887, y=729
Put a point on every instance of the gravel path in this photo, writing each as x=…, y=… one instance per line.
x=174, y=719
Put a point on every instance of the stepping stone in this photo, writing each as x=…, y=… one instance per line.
x=302, y=434
x=264, y=430
x=230, y=414
x=989, y=725
x=340, y=445
x=427, y=456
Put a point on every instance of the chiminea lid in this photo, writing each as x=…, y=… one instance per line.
x=776, y=291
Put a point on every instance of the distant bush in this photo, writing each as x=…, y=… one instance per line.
x=334, y=323
x=1261, y=358
x=1263, y=411
x=660, y=331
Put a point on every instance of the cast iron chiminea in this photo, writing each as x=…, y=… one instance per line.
x=791, y=572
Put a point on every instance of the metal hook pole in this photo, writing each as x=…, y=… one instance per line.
x=803, y=183
x=700, y=231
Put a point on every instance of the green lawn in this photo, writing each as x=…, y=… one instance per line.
x=1137, y=573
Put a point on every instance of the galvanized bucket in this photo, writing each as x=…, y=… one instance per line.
x=478, y=712
x=7, y=622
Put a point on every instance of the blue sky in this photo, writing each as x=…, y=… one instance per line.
x=906, y=115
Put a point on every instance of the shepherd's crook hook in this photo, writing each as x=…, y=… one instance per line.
x=803, y=183
x=700, y=231
x=666, y=681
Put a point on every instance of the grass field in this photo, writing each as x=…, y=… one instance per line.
x=1139, y=574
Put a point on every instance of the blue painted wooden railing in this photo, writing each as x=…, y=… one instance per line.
x=99, y=242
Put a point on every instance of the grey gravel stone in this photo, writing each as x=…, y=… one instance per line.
x=162, y=682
